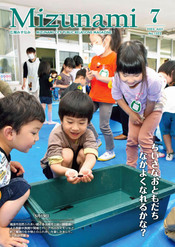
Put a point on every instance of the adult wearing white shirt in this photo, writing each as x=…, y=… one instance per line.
x=30, y=72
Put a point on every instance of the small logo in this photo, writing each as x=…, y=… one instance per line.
x=79, y=87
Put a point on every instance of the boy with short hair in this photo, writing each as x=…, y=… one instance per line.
x=72, y=148
x=78, y=84
x=21, y=118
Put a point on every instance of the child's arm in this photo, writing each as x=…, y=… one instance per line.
x=16, y=167
x=101, y=78
x=60, y=82
x=92, y=73
x=90, y=160
x=133, y=116
x=71, y=174
x=24, y=83
x=85, y=174
x=60, y=86
x=59, y=169
x=149, y=107
x=86, y=169
x=88, y=156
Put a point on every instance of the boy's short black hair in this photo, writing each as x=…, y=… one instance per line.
x=30, y=50
x=18, y=109
x=78, y=60
x=168, y=68
x=81, y=72
x=53, y=71
x=76, y=104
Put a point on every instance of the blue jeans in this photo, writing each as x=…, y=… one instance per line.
x=14, y=190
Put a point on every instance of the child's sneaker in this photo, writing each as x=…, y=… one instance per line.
x=170, y=156
x=99, y=143
x=108, y=155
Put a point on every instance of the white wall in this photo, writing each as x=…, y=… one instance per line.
x=24, y=40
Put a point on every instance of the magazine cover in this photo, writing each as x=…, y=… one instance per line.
x=87, y=117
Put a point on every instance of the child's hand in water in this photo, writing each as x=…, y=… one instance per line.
x=135, y=118
x=87, y=175
x=72, y=176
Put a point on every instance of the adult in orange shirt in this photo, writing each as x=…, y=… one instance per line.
x=102, y=69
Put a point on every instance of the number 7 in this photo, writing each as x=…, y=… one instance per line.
x=156, y=11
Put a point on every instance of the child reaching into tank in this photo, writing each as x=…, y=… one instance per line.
x=72, y=148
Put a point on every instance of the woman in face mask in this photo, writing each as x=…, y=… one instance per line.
x=102, y=69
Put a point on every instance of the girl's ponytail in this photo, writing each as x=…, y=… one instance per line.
x=115, y=39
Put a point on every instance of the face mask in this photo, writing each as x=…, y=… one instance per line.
x=98, y=49
x=31, y=56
